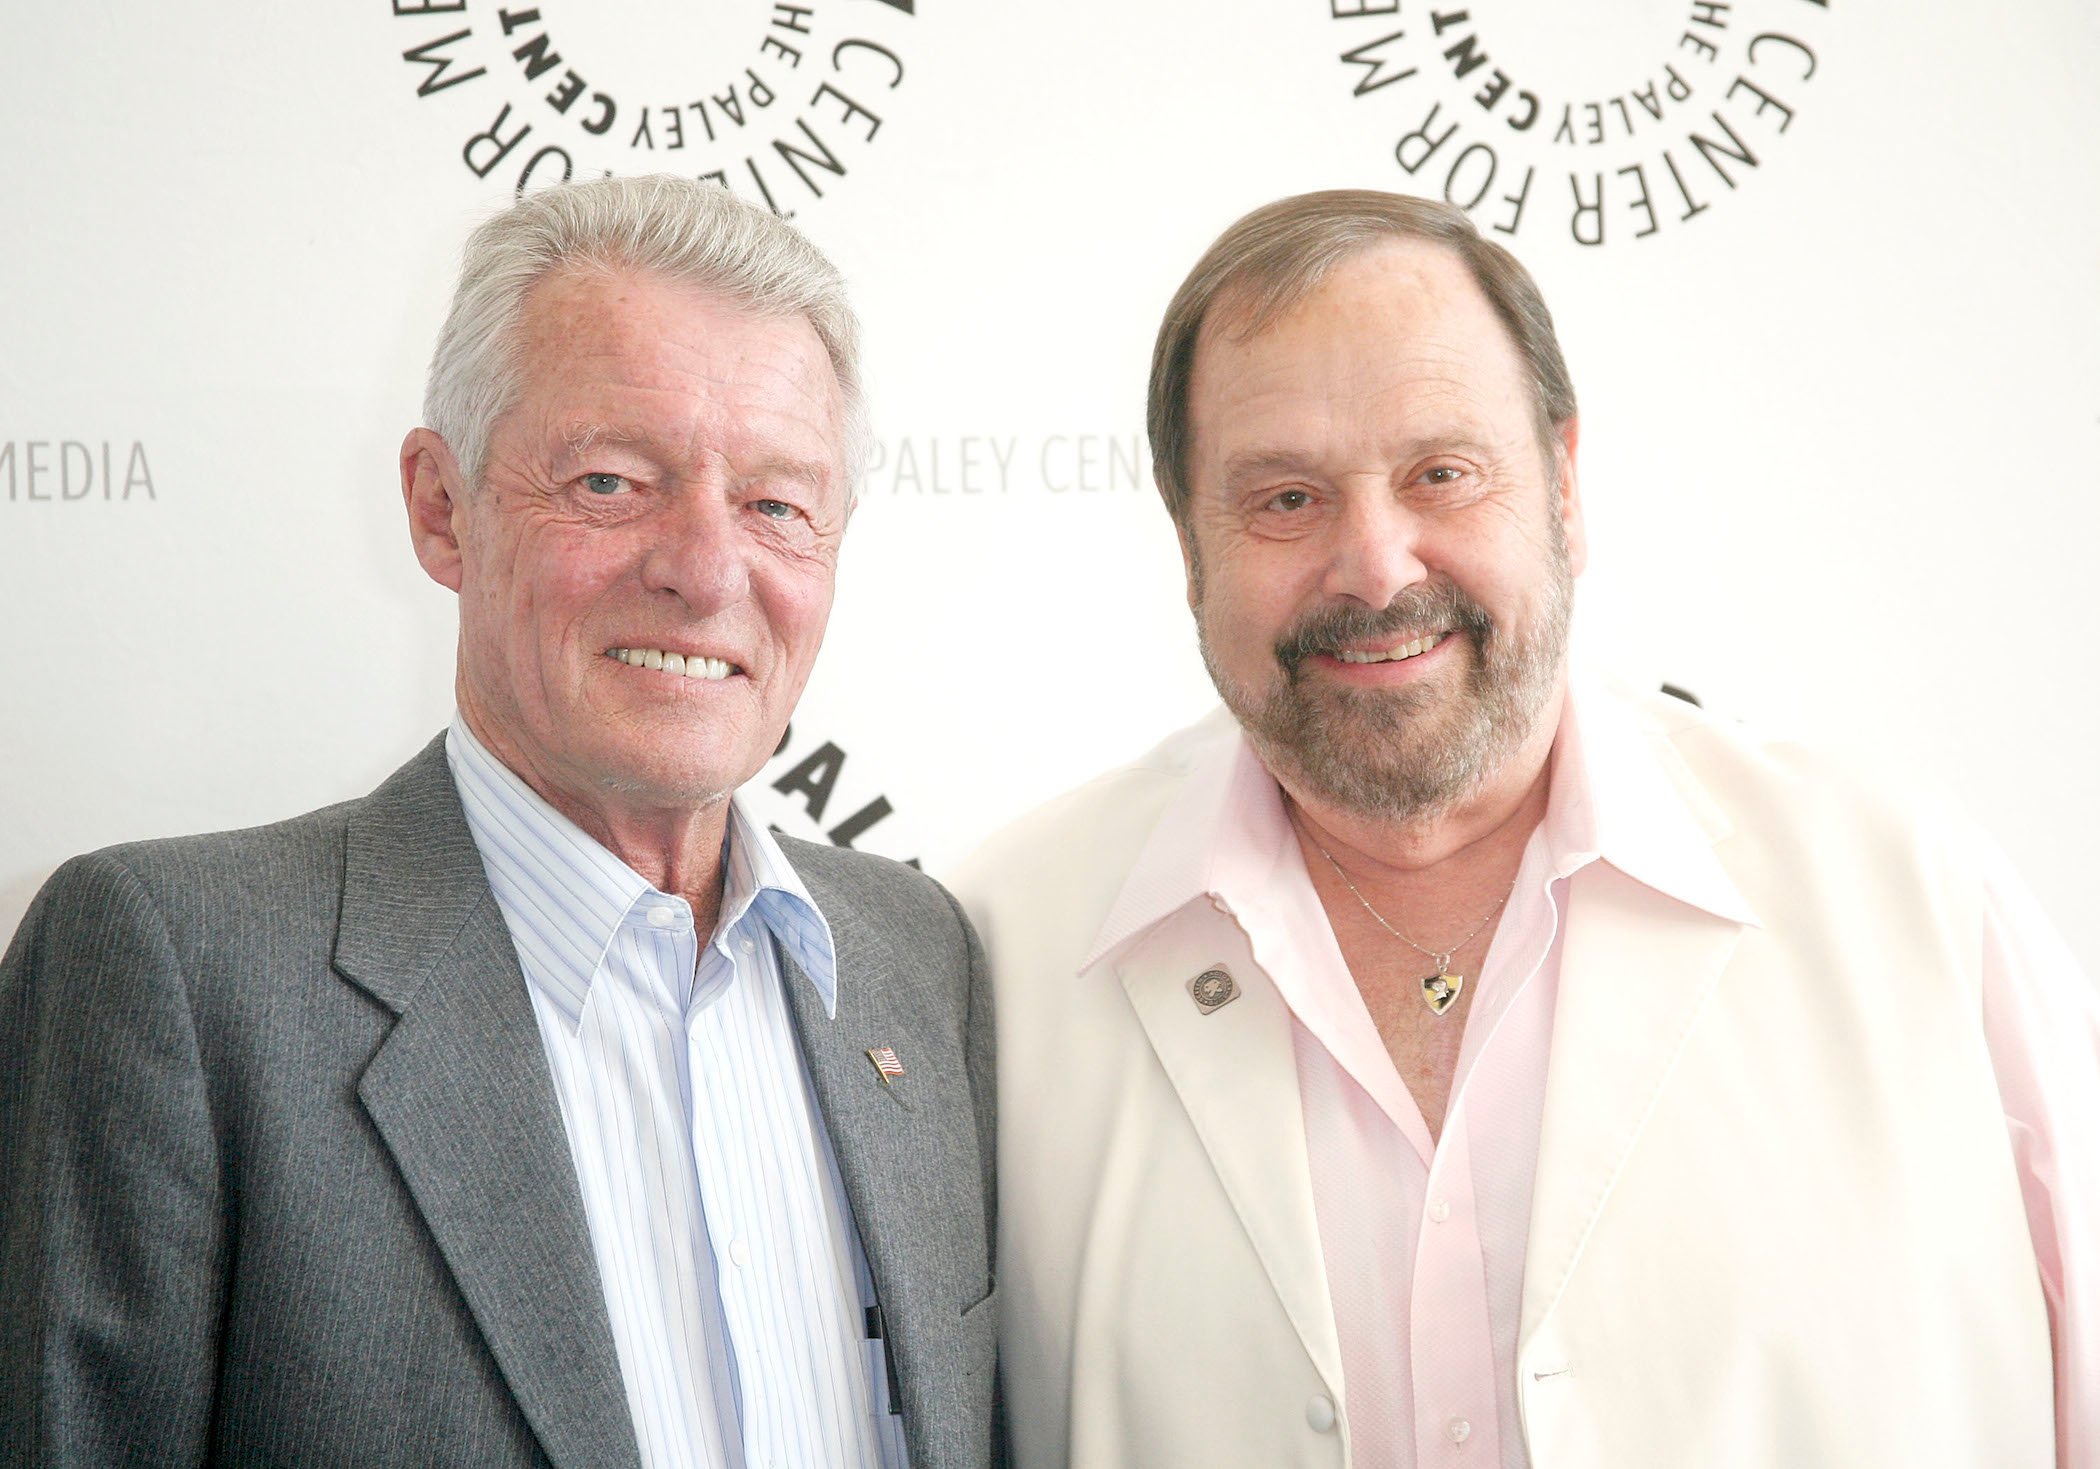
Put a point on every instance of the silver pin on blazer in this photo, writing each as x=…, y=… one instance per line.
x=1213, y=989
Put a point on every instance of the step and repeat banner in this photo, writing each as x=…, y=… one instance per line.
x=1827, y=273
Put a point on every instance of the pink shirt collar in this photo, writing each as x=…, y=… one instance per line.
x=1618, y=794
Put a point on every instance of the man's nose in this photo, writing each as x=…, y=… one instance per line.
x=697, y=552
x=1375, y=549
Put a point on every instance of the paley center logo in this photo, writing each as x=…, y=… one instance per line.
x=1604, y=123
x=777, y=102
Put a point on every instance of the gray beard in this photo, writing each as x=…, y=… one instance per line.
x=1409, y=754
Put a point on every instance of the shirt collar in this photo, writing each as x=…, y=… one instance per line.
x=564, y=895
x=1617, y=794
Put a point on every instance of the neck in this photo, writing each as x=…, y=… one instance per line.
x=675, y=849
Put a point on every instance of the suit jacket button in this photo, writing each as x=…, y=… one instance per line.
x=1319, y=1412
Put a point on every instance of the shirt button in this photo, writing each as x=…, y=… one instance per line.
x=1459, y=1429
x=740, y=1252
x=1439, y=1211
x=663, y=917
x=749, y=946
x=1319, y=1413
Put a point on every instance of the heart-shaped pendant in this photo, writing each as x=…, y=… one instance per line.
x=1440, y=990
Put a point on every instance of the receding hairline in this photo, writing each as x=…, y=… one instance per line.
x=529, y=328
x=1275, y=256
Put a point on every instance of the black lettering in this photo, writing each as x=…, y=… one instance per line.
x=1373, y=66
x=1531, y=112
x=1691, y=206
x=1594, y=211
x=1708, y=148
x=486, y=164
x=1457, y=164
x=1421, y=135
x=1465, y=56
x=1759, y=40
x=512, y=19
x=538, y=58
x=751, y=167
x=429, y=7
x=796, y=157
x=781, y=49
x=814, y=777
x=427, y=55
x=552, y=150
x=791, y=18
x=1641, y=201
x=857, y=824
x=600, y=122
x=1766, y=102
x=858, y=45
x=565, y=93
x=1443, y=20
x=1361, y=7
x=1516, y=215
x=851, y=107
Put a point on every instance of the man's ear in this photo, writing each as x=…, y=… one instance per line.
x=1568, y=500
x=434, y=491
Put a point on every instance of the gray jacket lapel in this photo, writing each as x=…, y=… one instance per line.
x=460, y=1093
x=908, y=1150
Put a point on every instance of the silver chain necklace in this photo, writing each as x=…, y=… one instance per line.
x=1440, y=988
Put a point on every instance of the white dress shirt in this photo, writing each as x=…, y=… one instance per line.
x=733, y=1275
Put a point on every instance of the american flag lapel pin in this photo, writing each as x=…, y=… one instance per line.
x=887, y=1066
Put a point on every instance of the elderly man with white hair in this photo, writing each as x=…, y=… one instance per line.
x=540, y=1107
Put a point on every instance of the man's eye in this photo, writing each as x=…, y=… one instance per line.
x=774, y=509
x=1442, y=474
x=1290, y=500
x=604, y=484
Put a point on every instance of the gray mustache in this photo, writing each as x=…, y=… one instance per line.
x=1417, y=611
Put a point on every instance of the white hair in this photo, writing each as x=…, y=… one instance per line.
x=681, y=229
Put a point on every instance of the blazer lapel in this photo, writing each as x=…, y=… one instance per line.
x=459, y=1091
x=895, y=1141
x=1236, y=1073
x=1637, y=968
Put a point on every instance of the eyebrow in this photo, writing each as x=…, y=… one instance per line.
x=582, y=437
x=1261, y=462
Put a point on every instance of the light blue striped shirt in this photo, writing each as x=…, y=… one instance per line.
x=733, y=1274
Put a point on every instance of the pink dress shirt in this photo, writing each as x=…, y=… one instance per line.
x=1424, y=1242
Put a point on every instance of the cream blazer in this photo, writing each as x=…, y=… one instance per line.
x=1776, y=1221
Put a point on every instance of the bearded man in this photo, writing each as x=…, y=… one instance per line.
x=1432, y=1059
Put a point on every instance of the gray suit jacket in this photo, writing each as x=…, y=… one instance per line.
x=283, y=1178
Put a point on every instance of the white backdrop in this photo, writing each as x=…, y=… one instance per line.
x=1841, y=405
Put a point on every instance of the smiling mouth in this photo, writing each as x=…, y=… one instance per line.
x=1394, y=654
x=695, y=666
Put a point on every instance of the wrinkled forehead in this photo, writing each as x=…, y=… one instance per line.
x=1401, y=322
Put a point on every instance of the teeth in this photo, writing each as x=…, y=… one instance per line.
x=1393, y=655
x=684, y=665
